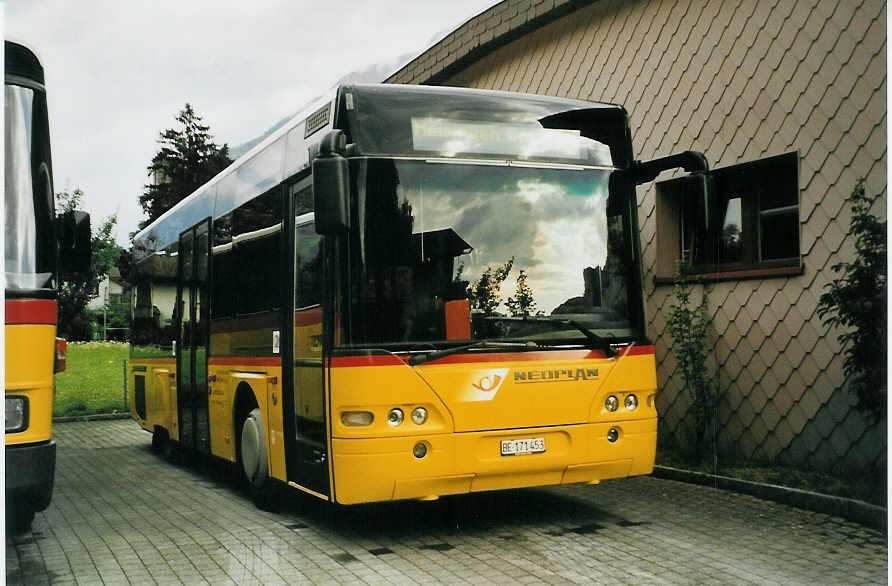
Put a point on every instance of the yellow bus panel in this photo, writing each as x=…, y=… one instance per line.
x=30, y=352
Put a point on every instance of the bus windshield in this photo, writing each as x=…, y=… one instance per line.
x=529, y=251
x=29, y=240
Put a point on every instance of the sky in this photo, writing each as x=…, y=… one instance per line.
x=117, y=73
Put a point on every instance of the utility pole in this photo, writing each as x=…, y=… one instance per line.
x=105, y=311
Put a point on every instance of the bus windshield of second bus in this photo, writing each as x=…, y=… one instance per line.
x=30, y=235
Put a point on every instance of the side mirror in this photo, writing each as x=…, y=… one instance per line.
x=331, y=185
x=698, y=194
x=75, y=248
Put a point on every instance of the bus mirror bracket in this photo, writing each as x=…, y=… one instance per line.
x=331, y=185
x=697, y=187
x=75, y=249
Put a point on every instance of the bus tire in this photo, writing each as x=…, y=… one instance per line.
x=159, y=439
x=171, y=451
x=254, y=459
x=19, y=516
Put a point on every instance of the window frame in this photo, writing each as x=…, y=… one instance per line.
x=744, y=180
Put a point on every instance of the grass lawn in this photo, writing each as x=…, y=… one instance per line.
x=93, y=381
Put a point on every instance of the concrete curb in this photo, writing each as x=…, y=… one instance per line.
x=872, y=516
x=96, y=417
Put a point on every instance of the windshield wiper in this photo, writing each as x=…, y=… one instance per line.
x=422, y=358
x=597, y=341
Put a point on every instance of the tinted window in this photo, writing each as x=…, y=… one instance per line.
x=29, y=237
x=225, y=276
x=257, y=244
x=308, y=290
x=512, y=252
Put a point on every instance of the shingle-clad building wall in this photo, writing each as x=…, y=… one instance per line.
x=740, y=81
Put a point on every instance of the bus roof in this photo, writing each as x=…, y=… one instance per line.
x=287, y=151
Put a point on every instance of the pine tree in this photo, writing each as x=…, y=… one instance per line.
x=188, y=158
x=523, y=304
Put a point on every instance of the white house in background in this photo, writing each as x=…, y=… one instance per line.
x=111, y=288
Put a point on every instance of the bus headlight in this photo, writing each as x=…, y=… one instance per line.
x=631, y=402
x=395, y=417
x=611, y=404
x=357, y=418
x=16, y=414
x=419, y=415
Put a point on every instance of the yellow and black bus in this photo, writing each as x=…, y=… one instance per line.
x=31, y=243
x=408, y=292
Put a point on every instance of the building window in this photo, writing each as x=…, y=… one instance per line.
x=752, y=228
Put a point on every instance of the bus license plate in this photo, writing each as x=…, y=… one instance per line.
x=516, y=447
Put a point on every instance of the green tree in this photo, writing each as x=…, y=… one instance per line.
x=76, y=291
x=856, y=302
x=523, y=304
x=484, y=294
x=188, y=158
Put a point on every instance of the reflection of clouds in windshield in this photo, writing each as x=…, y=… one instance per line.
x=552, y=222
x=564, y=248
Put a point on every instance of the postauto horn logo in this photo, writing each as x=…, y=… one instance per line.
x=483, y=386
x=489, y=382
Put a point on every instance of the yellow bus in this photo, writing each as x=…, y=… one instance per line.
x=407, y=292
x=33, y=353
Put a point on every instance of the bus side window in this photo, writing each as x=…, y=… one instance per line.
x=258, y=246
x=224, y=276
x=308, y=289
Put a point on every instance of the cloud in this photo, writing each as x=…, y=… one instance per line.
x=118, y=72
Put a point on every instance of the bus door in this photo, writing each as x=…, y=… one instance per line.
x=192, y=337
x=308, y=450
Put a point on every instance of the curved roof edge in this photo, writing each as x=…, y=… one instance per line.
x=206, y=192
x=481, y=35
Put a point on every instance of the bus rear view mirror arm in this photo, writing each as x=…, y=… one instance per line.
x=697, y=187
x=331, y=185
x=690, y=161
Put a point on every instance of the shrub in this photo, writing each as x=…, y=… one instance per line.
x=856, y=302
x=688, y=324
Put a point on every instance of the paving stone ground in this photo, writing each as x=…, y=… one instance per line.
x=121, y=514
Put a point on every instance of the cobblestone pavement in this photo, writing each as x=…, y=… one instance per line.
x=122, y=514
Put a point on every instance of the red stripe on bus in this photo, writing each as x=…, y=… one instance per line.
x=31, y=311
x=637, y=351
x=392, y=360
x=375, y=360
x=245, y=361
x=520, y=356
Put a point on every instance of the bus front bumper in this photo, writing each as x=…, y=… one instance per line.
x=380, y=469
x=30, y=470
